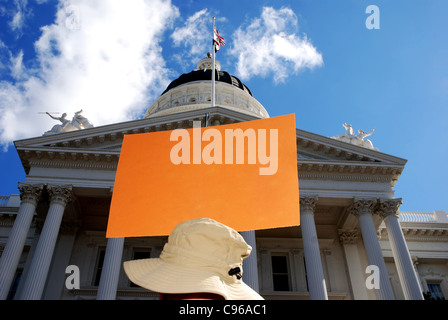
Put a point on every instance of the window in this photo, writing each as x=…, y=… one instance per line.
x=280, y=273
x=99, y=267
x=140, y=254
x=435, y=291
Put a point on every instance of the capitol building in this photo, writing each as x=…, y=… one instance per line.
x=353, y=243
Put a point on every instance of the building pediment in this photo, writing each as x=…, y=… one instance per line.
x=100, y=146
x=323, y=156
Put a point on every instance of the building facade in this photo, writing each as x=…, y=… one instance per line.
x=353, y=241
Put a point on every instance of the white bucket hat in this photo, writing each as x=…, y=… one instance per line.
x=201, y=256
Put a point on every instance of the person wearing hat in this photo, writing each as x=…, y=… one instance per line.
x=203, y=259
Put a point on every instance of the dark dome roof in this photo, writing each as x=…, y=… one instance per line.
x=201, y=75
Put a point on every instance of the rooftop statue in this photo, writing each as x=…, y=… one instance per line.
x=78, y=122
x=358, y=139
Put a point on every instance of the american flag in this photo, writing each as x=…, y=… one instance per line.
x=217, y=40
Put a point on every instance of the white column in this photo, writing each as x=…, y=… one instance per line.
x=349, y=240
x=55, y=284
x=415, y=262
x=250, y=266
x=38, y=272
x=313, y=262
x=30, y=195
x=363, y=208
x=406, y=272
x=107, y=289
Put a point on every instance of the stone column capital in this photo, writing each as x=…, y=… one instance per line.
x=30, y=192
x=307, y=203
x=348, y=236
x=60, y=194
x=362, y=206
x=388, y=207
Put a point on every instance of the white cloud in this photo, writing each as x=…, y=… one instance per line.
x=195, y=35
x=105, y=60
x=270, y=45
x=191, y=32
x=21, y=12
x=17, y=69
x=17, y=20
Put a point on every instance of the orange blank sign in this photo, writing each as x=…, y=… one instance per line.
x=243, y=175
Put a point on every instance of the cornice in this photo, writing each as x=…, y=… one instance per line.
x=309, y=169
x=113, y=132
x=331, y=147
x=68, y=153
x=336, y=177
x=420, y=234
x=348, y=171
x=99, y=148
x=89, y=148
x=420, y=231
x=53, y=157
x=337, y=166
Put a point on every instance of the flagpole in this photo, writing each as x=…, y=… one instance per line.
x=213, y=64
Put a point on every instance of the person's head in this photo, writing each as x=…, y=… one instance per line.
x=203, y=259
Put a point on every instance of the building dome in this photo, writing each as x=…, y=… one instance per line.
x=192, y=91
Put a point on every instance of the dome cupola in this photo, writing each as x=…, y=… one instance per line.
x=192, y=91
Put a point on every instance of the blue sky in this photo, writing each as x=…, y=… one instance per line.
x=316, y=59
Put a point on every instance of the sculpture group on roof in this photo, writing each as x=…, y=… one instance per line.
x=357, y=139
x=78, y=122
